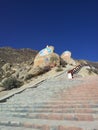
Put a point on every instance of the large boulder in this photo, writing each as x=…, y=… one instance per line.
x=47, y=57
x=66, y=56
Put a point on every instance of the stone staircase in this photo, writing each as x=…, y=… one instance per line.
x=56, y=104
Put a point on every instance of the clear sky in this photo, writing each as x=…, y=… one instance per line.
x=66, y=24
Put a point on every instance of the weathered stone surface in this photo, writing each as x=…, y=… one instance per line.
x=6, y=67
x=86, y=71
x=47, y=57
x=38, y=70
x=66, y=56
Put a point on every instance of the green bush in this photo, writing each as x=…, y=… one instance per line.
x=11, y=83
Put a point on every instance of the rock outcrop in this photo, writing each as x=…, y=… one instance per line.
x=66, y=56
x=47, y=57
x=24, y=66
x=88, y=71
x=6, y=67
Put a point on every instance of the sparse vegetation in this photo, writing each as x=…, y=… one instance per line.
x=1, y=72
x=53, y=59
x=8, y=74
x=16, y=66
x=92, y=70
x=28, y=76
x=62, y=63
x=59, y=69
x=10, y=55
x=11, y=83
x=95, y=71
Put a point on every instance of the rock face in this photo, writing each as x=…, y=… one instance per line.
x=47, y=57
x=6, y=67
x=66, y=56
x=87, y=71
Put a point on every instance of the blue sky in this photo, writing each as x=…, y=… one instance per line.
x=66, y=24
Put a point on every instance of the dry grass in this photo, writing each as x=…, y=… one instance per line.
x=10, y=55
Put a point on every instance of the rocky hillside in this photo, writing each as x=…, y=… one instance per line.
x=91, y=63
x=20, y=66
x=11, y=55
x=94, y=64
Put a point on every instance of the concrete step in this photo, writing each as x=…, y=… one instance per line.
x=41, y=128
x=48, y=124
x=50, y=102
x=37, y=127
x=51, y=115
x=48, y=106
x=15, y=128
x=51, y=109
x=51, y=105
x=54, y=105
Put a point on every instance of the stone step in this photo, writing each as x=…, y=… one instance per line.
x=78, y=95
x=42, y=128
x=52, y=101
x=77, y=99
x=48, y=124
x=15, y=128
x=29, y=126
x=82, y=92
x=51, y=105
x=71, y=102
x=52, y=116
x=50, y=110
x=64, y=98
x=56, y=116
x=57, y=105
x=23, y=126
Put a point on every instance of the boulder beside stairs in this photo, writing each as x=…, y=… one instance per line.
x=47, y=57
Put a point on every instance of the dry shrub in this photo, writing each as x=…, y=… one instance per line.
x=11, y=83
x=28, y=76
x=59, y=69
x=92, y=70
